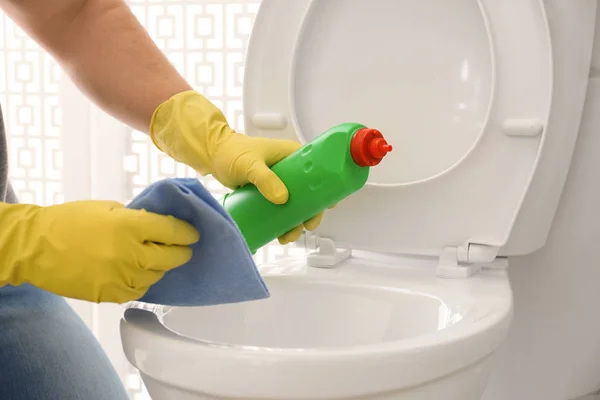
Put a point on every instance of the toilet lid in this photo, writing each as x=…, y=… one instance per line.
x=462, y=95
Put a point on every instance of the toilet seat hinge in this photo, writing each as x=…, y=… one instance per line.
x=323, y=251
x=464, y=261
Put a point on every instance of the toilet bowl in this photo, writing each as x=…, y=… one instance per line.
x=403, y=293
x=372, y=329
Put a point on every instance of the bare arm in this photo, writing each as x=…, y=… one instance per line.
x=105, y=50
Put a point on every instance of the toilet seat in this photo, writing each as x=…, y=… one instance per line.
x=300, y=79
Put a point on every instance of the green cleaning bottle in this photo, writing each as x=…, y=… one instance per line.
x=320, y=174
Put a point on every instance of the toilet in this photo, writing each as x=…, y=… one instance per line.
x=403, y=293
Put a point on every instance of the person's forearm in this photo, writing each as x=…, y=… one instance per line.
x=105, y=50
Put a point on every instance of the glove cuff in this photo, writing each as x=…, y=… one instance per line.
x=188, y=127
x=18, y=242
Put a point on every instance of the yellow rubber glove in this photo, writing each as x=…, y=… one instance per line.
x=191, y=130
x=90, y=250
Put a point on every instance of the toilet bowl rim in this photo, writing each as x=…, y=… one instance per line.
x=496, y=315
x=412, y=274
x=485, y=305
x=149, y=347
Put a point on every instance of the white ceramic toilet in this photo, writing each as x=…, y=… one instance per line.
x=404, y=293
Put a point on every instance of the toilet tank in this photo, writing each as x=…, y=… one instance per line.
x=552, y=351
x=572, y=27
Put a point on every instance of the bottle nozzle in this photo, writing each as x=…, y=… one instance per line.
x=379, y=148
x=369, y=147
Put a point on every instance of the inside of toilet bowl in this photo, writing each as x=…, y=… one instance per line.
x=310, y=314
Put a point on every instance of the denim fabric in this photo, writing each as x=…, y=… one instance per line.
x=48, y=353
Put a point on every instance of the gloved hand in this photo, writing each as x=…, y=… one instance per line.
x=191, y=130
x=90, y=250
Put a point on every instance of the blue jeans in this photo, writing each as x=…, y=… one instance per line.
x=48, y=353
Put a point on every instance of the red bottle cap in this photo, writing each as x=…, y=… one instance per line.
x=368, y=147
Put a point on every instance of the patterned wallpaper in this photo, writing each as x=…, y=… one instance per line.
x=206, y=40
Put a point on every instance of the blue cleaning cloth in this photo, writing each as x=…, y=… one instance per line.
x=221, y=269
